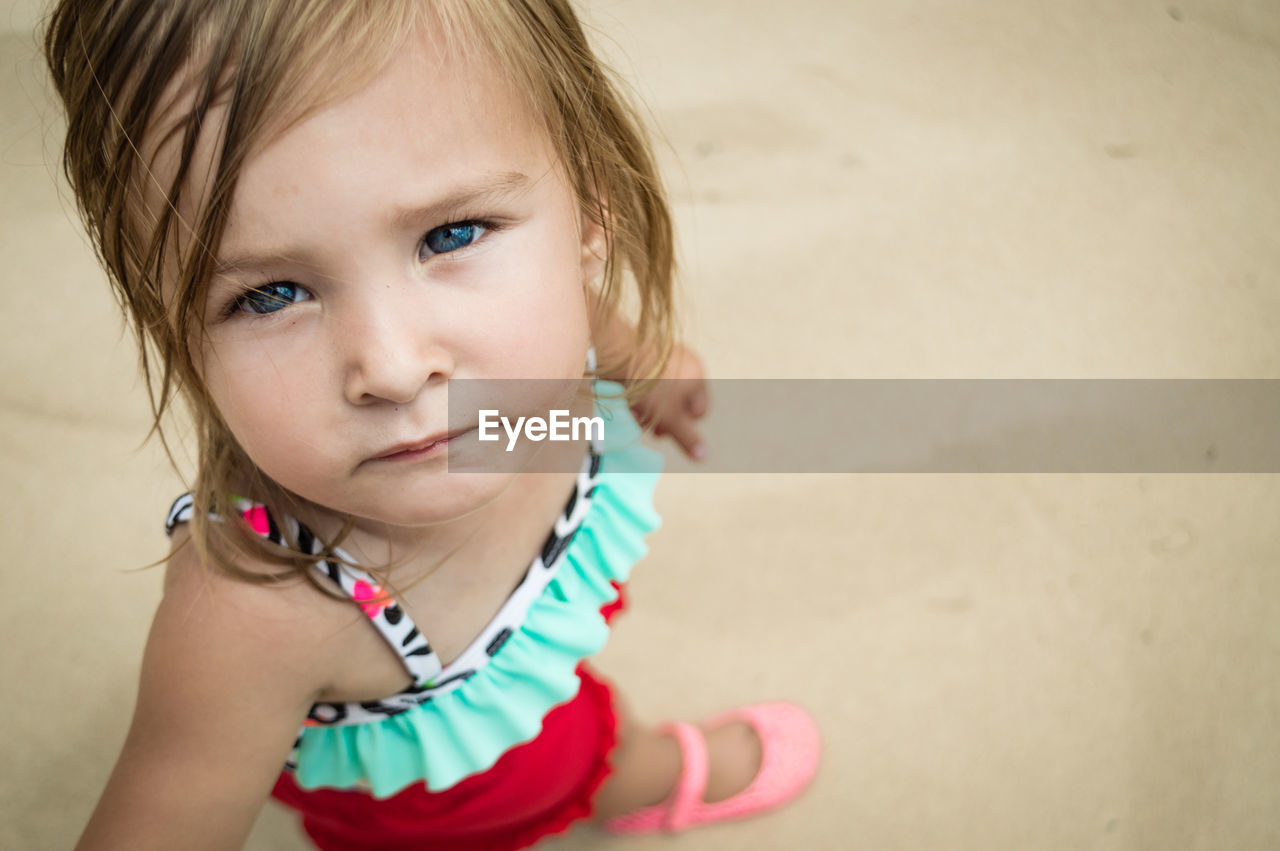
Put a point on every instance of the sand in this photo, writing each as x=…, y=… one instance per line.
x=863, y=189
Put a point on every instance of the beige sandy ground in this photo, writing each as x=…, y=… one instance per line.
x=872, y=188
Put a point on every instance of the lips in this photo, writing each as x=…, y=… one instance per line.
x=419, y=447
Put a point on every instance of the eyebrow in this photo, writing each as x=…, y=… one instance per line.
x=456, y=202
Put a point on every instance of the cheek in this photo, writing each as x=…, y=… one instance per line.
x=263, y=401
x=541, y=316
x=256, y=420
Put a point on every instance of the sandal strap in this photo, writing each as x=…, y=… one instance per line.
x=691, y=785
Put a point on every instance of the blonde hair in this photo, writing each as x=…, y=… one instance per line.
x=116, y=67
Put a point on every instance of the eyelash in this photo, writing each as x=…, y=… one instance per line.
x=236, y=306
x=485, y=225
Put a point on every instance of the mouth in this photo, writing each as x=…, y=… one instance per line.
x=420, y=448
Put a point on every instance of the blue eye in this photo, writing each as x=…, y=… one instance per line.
x=448, y=238
x=269, y=298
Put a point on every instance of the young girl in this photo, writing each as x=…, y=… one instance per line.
x=319, y=215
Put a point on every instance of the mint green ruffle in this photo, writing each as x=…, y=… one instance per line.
x=466, y=730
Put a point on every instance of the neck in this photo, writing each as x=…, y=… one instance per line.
x=412, y=553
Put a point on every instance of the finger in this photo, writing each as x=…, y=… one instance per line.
x=685, y=433
x=696, y=403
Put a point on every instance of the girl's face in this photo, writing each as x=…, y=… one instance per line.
x=417, y=232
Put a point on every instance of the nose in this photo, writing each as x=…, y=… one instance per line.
x=391, y=350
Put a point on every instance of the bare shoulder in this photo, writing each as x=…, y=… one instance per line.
x=217, y=639
x=201, y=599
x=282, y=627
x=229, y=673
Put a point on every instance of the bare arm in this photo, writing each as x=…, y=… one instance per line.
x=673, y=406
x=225, y=686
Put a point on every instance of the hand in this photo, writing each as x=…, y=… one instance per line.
x=673, y=407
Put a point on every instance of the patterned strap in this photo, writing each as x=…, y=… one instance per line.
x=429, y=677
x=179, y=512
x=391, y=621
x=384, y=612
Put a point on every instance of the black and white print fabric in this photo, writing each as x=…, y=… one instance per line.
x=429, y=677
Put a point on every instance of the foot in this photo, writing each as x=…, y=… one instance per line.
x=733, y=756
x=648, y=764
x=738, y=764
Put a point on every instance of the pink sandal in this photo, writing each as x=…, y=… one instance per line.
x=790, y=748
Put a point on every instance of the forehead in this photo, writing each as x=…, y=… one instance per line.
x=433, y=123
x=424, y=103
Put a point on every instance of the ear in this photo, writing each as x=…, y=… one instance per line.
x=595, y=245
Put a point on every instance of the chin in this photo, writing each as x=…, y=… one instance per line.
x=449, y=497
